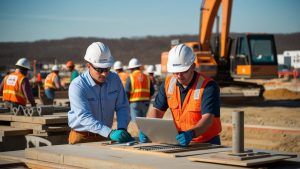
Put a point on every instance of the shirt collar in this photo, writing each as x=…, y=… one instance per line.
x=190, y=84
x=90, y=79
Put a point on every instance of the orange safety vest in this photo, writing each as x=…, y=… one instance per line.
x=39, y=77
x=123, y=76
x=140, y=86
x=49, y=81
x=189, y=114
x=12, y=89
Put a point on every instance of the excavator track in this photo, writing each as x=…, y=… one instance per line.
x=234, y=91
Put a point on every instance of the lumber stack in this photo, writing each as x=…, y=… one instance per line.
x=13, y=129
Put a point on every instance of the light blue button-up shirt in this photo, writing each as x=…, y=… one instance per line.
x=93, y=105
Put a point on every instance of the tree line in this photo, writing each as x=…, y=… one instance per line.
x=146, y=49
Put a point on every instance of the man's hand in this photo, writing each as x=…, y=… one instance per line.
x=143, y=138
x=185, y=138
x=120, y=136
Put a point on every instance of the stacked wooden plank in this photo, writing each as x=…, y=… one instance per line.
x=12, y=139
x=13, y=129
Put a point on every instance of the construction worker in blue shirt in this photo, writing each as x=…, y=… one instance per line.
x=94, y=97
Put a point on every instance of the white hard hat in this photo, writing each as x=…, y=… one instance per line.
x=133, y=63
x=99, y=55
x=55, y=68
x=23, y=62
x=180, y=58
x=118, y=65
x=150, y=69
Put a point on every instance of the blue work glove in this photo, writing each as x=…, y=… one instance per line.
x=120, y=136
x=185, y=138
x=143, y=138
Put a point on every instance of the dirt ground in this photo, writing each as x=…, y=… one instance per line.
x=285, y=120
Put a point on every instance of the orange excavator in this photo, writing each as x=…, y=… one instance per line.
x=254, y=57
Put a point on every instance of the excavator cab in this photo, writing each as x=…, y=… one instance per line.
x=254, y=57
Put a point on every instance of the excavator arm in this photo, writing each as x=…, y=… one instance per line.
x=209, y=10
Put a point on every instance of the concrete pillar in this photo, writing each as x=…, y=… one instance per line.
x=238, y=132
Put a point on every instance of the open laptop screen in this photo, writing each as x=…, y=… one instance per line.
x=158, y=130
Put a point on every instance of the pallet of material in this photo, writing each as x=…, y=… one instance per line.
x=12, y=138
x=56, y=134
x=11, y=131
x=53, y=128
x=41, y=128
x=57, y=118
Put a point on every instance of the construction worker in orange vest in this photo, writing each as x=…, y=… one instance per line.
x=139, y=89
x=122, y=74
x=192, y=97
x=16, y=87
x=52, y=83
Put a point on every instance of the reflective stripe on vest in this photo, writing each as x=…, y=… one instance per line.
x=49, y=81
x=12, y=88
x=189, y=114
x=140, y=86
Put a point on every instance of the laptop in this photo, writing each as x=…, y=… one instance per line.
x=158, y=130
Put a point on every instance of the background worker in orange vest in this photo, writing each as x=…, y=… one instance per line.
x=15, y=86
x=52, y=83
x=139, y=89
x=193, y=98
x=71, y=68
x=122, y=74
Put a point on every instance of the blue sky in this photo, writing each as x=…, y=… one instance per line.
x=31, y=20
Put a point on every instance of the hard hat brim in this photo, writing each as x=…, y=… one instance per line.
x=134, y=66
x=179, y=69
x=116, y=68
x=102, y=65
x=25, y=67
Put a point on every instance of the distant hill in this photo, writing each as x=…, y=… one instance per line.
x=147, y=49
